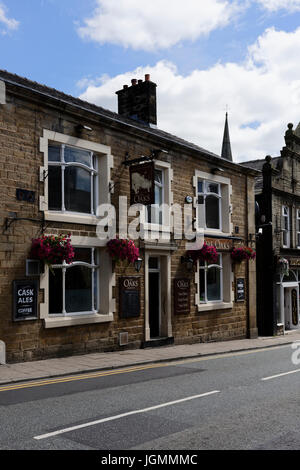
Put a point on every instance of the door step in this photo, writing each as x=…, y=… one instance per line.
x=157, y=342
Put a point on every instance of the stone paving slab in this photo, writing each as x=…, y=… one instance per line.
x=103, y=361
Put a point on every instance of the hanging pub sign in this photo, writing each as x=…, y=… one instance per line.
x=240, y=289
x=129, y=296
x=25, y=300
x=181, y=296
x=142, y=184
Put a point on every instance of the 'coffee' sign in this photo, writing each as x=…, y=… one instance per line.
x=181, y=296
x=25, y=300
x=142, y=184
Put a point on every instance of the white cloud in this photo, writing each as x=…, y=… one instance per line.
x=275, y=5
x=9, y=23
x=263, y=94
x=156, y=24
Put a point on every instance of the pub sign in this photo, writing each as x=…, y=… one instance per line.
x=181, y=296
x=129, y=296
x=142, y=184
x=25, y=300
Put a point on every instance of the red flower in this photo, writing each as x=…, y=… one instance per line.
x=121, y=249
x=242, y=252
x=206, y=253
x=52, y=249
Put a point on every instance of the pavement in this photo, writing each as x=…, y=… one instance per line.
x=47, y=368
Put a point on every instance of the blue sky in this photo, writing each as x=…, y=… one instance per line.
x=205, y=55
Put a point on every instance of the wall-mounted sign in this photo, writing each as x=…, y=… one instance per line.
x=25, y=300
x=240, y=289
x=181, y=296
x=220, y=244
x=294, y=308
x=129, y=296
x=294, y=261
x=25, y=195
x=142, y=184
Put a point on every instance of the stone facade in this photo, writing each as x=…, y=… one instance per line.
x=32, y=115
x=278, y=226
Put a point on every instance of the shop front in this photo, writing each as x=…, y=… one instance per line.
x=287, y=290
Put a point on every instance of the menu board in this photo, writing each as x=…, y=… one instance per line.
x=129, y=296
x=181, y=296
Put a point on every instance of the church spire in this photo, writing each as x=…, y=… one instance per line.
x=226, y=147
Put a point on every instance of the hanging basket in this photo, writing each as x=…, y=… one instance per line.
x=122, y=250
x=283, y=266
x=51, y=249
x=206, y=253
x=241, y=253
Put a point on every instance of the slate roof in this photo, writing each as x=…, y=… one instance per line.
x=49, y=92
x=258, y=165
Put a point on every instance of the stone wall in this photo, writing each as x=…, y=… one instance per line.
x=22, y=123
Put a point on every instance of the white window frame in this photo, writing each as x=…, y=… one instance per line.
x=104, y=311
x=95, y=283
x=225, y=209
x=286, y=232
x=205, y=193
x=104, y=166
x=298, y=228
x=154, y=228
x=206, y=268
x=62, y=164
x=157, y=209
x=227, y=293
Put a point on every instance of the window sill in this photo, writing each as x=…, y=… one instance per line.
x=214, y=306
x=213, y=233
x=57, y=322
x=74, y=218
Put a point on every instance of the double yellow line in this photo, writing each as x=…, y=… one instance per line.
x=71, y=378
x=92, y=375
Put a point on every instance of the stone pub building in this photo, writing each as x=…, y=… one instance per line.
x=60, y=160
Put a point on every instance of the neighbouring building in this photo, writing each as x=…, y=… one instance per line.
x=62, y=160
x=277, y=194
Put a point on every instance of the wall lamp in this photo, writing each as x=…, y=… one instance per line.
x=188, y=261
x=82, y=127
x=138, y=264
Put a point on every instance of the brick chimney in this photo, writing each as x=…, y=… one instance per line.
x=138, y=101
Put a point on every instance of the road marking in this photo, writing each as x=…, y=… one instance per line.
x=167, y=363
x=71, y=378
x=123, y=415
x=281, y=375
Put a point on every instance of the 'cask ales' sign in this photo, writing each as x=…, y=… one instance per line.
x=181, y=296
x=25, y=300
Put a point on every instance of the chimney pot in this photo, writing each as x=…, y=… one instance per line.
x=138, y=101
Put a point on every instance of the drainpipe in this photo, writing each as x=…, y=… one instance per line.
x=252, y=331
x=2, y=93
